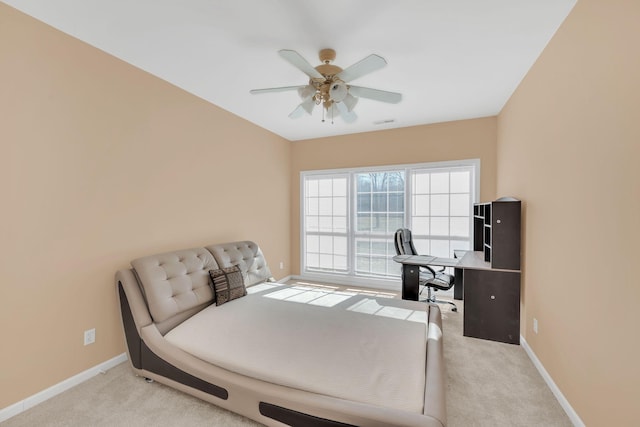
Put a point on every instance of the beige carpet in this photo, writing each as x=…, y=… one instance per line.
x=493, y=384
x=489, y=384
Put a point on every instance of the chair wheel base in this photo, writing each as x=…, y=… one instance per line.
x=454, y=308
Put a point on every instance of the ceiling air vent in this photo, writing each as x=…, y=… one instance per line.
x=384, y=122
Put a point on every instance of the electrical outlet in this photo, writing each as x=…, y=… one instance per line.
x=535, y=325
x=89, y=336
x=281, y=265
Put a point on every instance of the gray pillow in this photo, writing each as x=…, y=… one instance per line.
x=228, y=284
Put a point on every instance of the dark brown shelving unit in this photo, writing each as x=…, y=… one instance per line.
x=496, y=232
x=492, y=288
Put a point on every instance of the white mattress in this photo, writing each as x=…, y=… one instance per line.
x=341, y=344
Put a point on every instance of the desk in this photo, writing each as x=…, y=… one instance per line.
x=492, y=296
x=411, y=271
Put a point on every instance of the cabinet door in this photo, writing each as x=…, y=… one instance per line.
x=410, y=282
x=505, y=239
x=458, y=280
x=492, y=305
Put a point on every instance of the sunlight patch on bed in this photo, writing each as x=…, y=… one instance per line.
x=378, y=294
x=329, y=296
x=371, y=306
x=338, y=288
x=317, y=285
x=261, y=287
x=331, y=300
x=286, y=293
x=311, y=295
x=307, y=296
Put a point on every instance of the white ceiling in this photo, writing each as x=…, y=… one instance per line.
x=450, y=59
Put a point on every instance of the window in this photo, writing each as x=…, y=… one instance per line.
x=441, y=210
x=379, y=213
x=349, y=217
x=325, y=222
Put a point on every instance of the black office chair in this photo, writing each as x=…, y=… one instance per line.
x=433, y=279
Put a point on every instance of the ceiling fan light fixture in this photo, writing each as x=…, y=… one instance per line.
x=338, y=91
x=306, y=92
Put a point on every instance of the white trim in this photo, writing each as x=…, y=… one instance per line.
x=442, y=164
x=571, y=413
x=285, y=279
x=31, y=401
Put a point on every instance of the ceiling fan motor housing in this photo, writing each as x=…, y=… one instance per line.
x=331, y=89
x=328, y=70
x=327, y=55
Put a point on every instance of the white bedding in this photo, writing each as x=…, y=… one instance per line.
x=340, y=344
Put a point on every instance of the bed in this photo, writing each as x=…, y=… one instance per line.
x=283, y=354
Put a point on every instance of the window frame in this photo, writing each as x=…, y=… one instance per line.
x=350, y=276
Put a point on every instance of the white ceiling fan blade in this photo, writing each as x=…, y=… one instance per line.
x=347, y=116
x=367, y=65
x=275, y=89
x=376, y=94
x=297, y=113
x=295, y=59
x=308, y=105
x=350, y=101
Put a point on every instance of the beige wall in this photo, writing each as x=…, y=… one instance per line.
x=569, y=146
x=100, y=163
x=466, y=139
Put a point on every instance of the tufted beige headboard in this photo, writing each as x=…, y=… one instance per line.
x=175, y=284
x=247, y=256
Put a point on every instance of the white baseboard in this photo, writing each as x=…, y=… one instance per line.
x=285, y=279
x=30, y=402
x=571, y=413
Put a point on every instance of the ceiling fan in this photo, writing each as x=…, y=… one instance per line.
x=328, y=85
